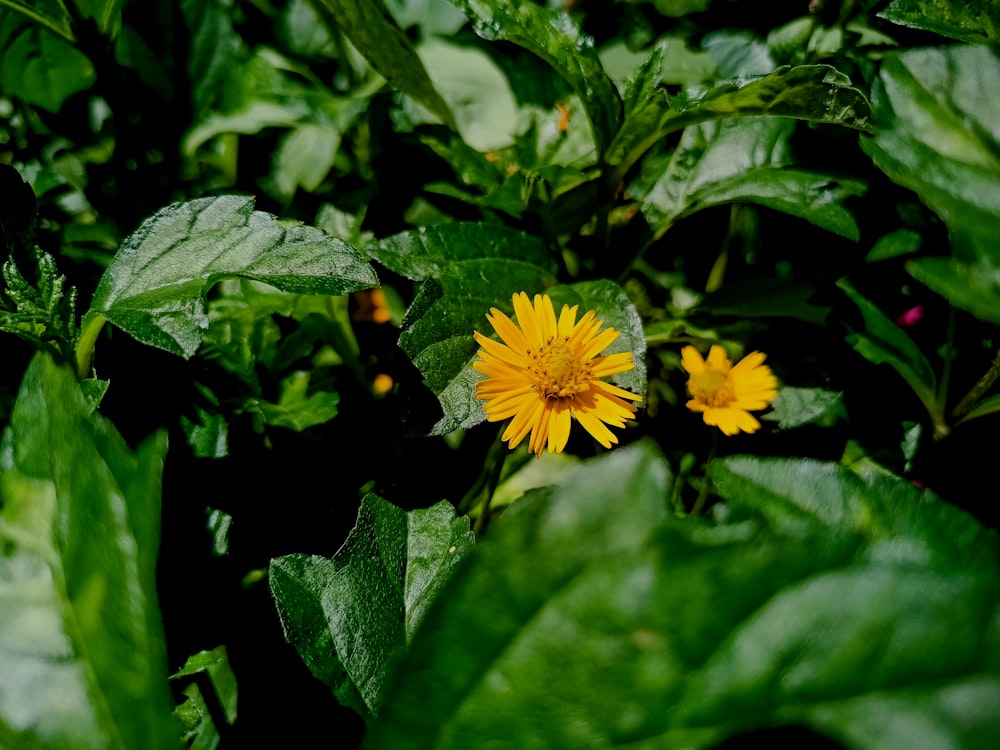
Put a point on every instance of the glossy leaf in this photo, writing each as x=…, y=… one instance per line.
x=352, y=616
x=938, y=135
x=965, y=20
x=469, y=268
x=818, y=93
x=631, y=628
x=747, y=160
x=372, y=30
x=884, y=342
x=553, y=36
x=155, y=287
x=81, y=641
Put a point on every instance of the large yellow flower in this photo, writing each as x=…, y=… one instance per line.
x=548, y=371
x=727, y=393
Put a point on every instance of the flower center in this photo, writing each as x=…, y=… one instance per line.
x=712, y=387
x=556, y=370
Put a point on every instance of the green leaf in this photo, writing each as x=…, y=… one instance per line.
x=39, y=66
x=765, y=298
x=974, y=287
x=609, y=623
x=155, y=287
x=36, y=307
x=967, y=21
x=213, y=673
x=989, y=405
x=298, y=408
x=470, y=268
x=371, y=29
x=217, y=55
x=900, y=523
x=352, y=616
x=747, y=160
x=304, y=158
x=794, y=407
x=884, y=342
x=818, y=93
x=81, y=642
x=477, y=92
x=936, y=134
x=896, y=243
x=553, y=36
x=107, y=14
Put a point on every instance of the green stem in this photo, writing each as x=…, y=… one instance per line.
x=941, y=428
x=91, y=326
x=480, y=495
x=977, y=391
x=699, y=504
x=41, y=19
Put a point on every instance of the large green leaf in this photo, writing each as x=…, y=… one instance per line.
x=590, y=618
x=469, y=268
x=553, y=36
x=81, y=643
x=155, y=287
x=746, y=160
x=352, y=616
x=965, y=20
x=38, y=63
x=937, y=134
x=372, y=30
x=818, y=93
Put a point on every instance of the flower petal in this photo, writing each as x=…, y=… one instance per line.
x=527, y=320
x=511, y=335
x=692, y=361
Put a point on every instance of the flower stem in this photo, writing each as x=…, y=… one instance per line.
x=480, y=494
x=495, y=460
x=699, y=504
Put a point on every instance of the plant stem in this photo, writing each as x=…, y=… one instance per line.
x=941, y=427
x=699, y=504
x=480, y=495
x=977, y=391
x=91, y=326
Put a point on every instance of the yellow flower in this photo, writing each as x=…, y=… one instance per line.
x=727, y=393
x=547, y=371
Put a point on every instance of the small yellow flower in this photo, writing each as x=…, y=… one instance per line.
x=548, y=371
x=727, y=393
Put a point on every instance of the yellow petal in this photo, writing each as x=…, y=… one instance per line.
x=717, y=359
x=615, y=390
x=527, y=319
x=510, y=333
x=692, y=361
x=599, y=343
x=567, y=321
x=595, y=427
x=612, y=364
x=500, y=351
x=559, y=425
